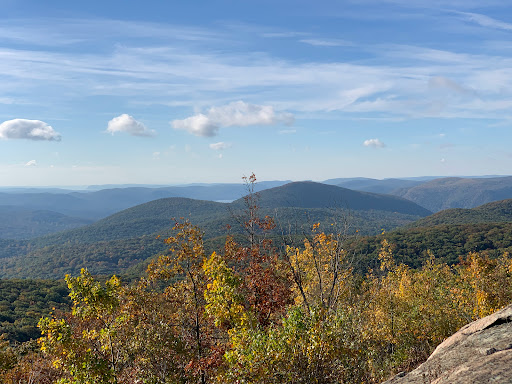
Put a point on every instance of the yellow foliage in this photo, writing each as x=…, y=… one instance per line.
x=320, y=272
x=223, y=300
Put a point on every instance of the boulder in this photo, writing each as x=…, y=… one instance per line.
x=480, y=352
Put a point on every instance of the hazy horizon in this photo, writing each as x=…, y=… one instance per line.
x=93, y=187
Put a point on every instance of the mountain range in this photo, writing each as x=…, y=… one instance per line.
x=296, y=206
x=455, y=192
x=118, y=241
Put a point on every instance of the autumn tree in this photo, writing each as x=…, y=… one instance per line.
x=182, y=269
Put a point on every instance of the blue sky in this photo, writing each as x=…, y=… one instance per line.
x=169, y=92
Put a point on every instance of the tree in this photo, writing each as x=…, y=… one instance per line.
x=89, y=344
x=182, y=267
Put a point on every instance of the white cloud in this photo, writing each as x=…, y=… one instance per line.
x=28, y=129
x=238, y=113
x=126, y=123
x=156, y=155
x=199, y=125
x=31, y=163
x=486, y=21
x=374, y=143
x=220, y=146
x=326, y=42
x=287, y=131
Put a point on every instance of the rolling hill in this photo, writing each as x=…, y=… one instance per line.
x=122, y=240
x=454, y=192
x=307, y=194
x=495, y=212
x=374, y=185
x=94, y=205
x=23, y=223
x=446, y=242
x=143, y=219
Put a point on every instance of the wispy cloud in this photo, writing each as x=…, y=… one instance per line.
x=220, y=146
x=185, y=73
x=486, y=21
x=66, y=31
x=31, y=163
x=284, y=34
x=326, y=42
x=287, y=131
x=443, y=82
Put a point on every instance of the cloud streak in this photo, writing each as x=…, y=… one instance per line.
x=220, y=146
x=397, y=83
x=326, y=42
x=486, y=21
x=36, y=130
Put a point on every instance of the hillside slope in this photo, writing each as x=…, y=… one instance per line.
x=453, y=192
x=23, y=223
x=446, y=242
x=307, y=194
x=122, y=240
x=378, y=186
x=143, y=219
x=102, y=203
x=495, y=212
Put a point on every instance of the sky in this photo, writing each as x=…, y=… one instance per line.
x=173, y=92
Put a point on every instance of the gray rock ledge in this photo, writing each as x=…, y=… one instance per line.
x=480, y=352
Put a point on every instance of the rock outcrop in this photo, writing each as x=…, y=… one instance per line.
x=480, y=352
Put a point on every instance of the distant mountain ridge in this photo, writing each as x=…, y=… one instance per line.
x=374, y=185
x=308, y=194
x=98, y=204
x=453, y=192
x=115, y=243
x=156, y=215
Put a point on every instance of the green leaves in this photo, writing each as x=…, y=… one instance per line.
x=90, y=299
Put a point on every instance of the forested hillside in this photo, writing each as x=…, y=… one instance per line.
x=24, y=302
x=376, y=186
x=255, y=314
x=97, y=204
x=317, y=195
x=498, y=211
x=125, y=239
x=454, y=192
x=447, y=243
x=23, y=223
